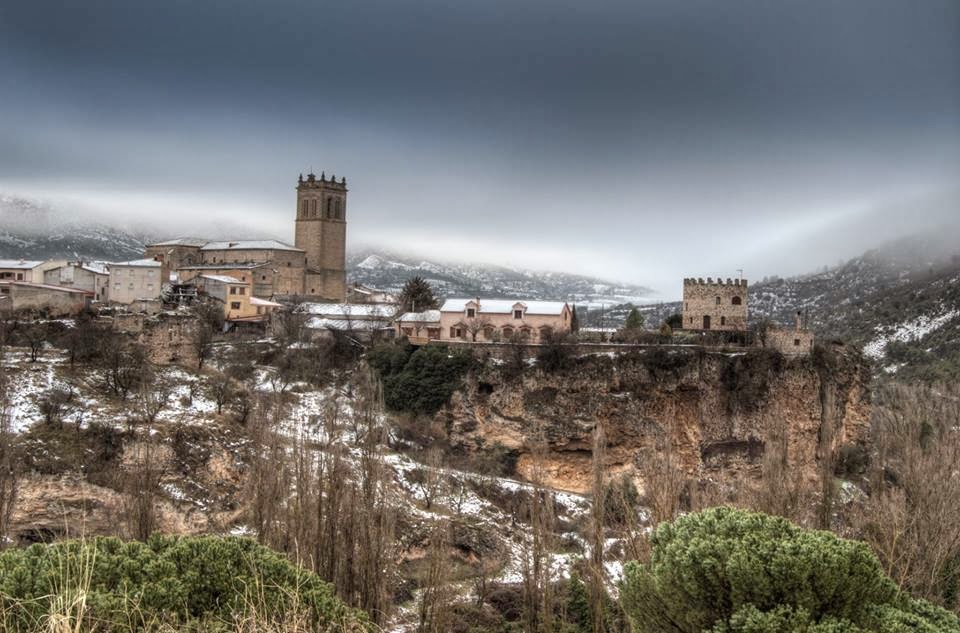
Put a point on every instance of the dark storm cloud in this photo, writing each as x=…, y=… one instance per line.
x=568, y=131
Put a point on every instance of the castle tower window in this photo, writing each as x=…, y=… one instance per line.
x=718, y=300
x=329, y=208
x=304, y=208
x=723, y=320
x=339, y=209
x=736, y=301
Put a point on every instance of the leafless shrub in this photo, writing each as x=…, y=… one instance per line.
x=911, y=518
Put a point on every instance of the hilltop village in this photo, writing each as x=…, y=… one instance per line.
x=250, y=283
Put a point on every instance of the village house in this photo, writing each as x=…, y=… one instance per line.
x=419, y=327
x=26, y=270
x=365, y=320
x=135, y=281
x=236, y=297
x=54, y=301
x=491, y=320
x=795, y=341
x=90, y=276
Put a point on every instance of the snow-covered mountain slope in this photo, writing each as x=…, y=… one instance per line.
x=389, y=271
x=30, y=230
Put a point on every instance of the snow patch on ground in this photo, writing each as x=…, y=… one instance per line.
x=912, y=330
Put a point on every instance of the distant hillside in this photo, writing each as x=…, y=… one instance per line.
x=29, y=230
x=901, y=302
x=389, y=271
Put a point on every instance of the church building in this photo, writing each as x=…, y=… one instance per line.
x=313, y=267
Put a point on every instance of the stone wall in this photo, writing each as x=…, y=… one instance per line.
x=789, y=342
x=287, y=267
x=714, y=305
x=167, y=337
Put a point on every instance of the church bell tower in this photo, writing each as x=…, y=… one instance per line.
x=321, y=231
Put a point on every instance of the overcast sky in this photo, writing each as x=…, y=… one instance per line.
x=638, y=140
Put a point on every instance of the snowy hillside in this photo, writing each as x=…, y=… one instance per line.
x=389, y=271
x=30, y=230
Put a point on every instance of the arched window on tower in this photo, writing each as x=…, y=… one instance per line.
x=303, y=209
x=338, y=213
x=329, y=208
x=313, y=204
x=718, y=300
x=736, y=301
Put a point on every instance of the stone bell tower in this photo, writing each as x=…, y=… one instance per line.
x=321, y=231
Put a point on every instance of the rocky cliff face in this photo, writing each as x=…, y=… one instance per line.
x=717, y=412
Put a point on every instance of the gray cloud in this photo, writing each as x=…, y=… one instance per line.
x=627, y=139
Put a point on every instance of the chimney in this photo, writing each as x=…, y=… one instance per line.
x=799, y=320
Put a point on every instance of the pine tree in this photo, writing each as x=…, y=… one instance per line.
x=417, y=296
x=634, y=320
x=574, y=321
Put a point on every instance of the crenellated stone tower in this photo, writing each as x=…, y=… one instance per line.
x=322, y=233
x=714, y=305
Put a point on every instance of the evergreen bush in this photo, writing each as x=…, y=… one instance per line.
x=725, y=570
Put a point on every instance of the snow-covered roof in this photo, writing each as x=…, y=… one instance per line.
x=145, y=263
x=19, y=264
x=349, y=310
x=427, y=316
x=321, y=323
x=505, y=306
x=224, y=279
x=98, y=268
x=257, y=301
x=246, y=245
x=182, y=241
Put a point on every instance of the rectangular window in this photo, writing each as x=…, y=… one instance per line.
x=243, y=291
x=233, y=291
x=453, y=332
x=234, y=305
x=796, y=342
x=19, y=276
x=471, y=312
x=518, y=314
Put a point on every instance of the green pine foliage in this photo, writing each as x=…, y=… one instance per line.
x=419, y=380
x=731, y=571
x=184, y=584
x=417, y=296
x=634, y=320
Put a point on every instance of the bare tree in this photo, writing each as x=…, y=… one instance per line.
x=326, y=502
x=209, y=316
x=55, y=405
x=35, y=336
x=9, y=461
x=437, y=597
x=597, y=578
x=476, y=325
x=141, y=483
x=537, y=568
x=664, y=479
x=430, y=478
x=911, y=518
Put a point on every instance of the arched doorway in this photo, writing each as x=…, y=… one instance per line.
x=706, y=322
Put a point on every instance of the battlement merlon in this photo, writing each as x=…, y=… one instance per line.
x=699, y=281
x=312, y=182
